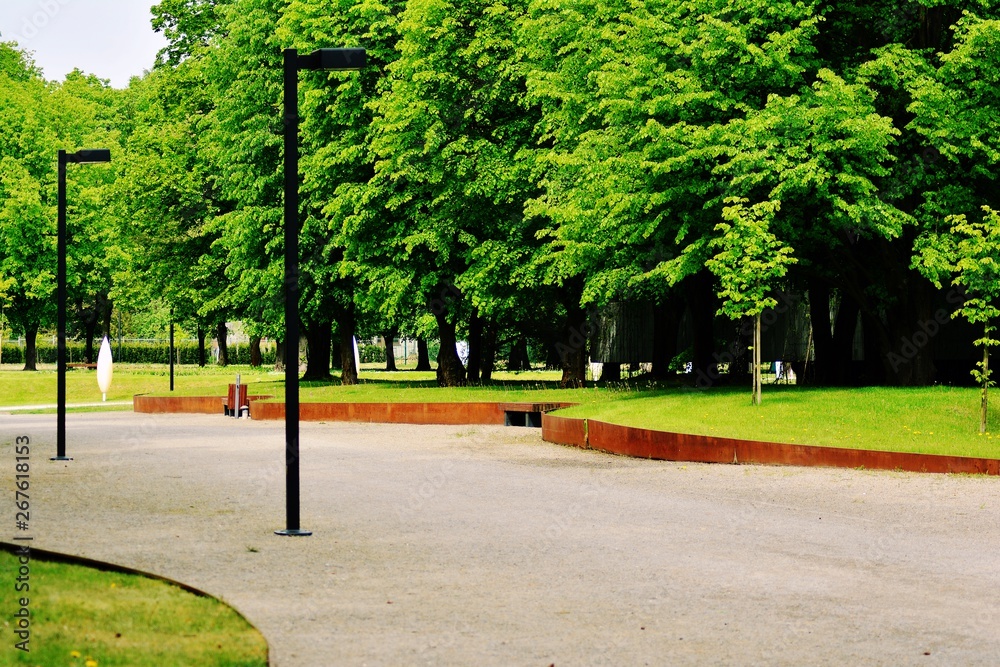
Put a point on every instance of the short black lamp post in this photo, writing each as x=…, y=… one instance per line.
x=86, y=156
x=322, y=59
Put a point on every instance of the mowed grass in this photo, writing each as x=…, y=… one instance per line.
x=19, y=387
x=39, y=388
x=938, y=420
x=930, y=420
x=81, y=614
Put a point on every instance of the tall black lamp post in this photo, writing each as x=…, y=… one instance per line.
x=171, y=348
x=322, y=59
x=86, y=156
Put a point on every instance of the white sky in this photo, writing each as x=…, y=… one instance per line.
x=110, y=38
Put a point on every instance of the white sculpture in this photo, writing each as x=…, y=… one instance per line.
x=104, y=368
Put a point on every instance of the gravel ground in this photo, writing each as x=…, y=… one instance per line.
x=438, y=545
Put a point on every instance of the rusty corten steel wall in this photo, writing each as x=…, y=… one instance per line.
x=707, y=449
x=390, y=413
x=564, y=430
x=401, y=413
x=589, y=433
x=204, y=405
x=201, y=405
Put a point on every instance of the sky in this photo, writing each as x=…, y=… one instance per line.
x=110, y=38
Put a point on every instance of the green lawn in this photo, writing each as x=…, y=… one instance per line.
x=84, y=617
x=932, y=420
x=939, y=420
x=20, y=388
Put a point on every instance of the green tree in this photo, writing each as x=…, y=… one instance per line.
x=337, y=162
x=637, y=99
x=446, y=139
x=27, y=198
x=970, y=255
x=750, y=259
x=167, y=200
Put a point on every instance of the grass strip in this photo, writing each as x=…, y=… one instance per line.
x=925, y=420
x=86, y=617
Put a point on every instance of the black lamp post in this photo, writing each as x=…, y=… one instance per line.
x=171, y=348
x=86, y=156
x=322, y=59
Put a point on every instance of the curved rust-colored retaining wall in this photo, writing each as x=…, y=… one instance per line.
x=646, y=443
x=589, y=434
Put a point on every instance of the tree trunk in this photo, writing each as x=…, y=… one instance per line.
x=389, y=339
x=517, y=359
x=489, y=359
x=611, y=371
x=221, y=332
x=905, y=349
x=30, y=348
x=106, y=309
x=844, y=329
x=986, y=383
x=318, y=343
x=279, y=356
x=201, y=347
x=423, y=356
x=757, y=380
x=475, y=347
x=345, y=328
x=450, y=372
x=819, y=314
x=666, y=320
x=89, y=319
x=573, y=349
x=255, y=358
x=701, y=300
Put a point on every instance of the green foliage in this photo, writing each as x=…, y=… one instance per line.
x=970, y=255
x=168, y=201
x=749, y=259
x=39, y=119
x=506, y=163
x=371, y=354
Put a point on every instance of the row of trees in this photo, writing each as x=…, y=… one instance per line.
x=40, y=118
x=499, y=168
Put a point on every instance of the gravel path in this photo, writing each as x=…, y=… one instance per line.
x=440, y=545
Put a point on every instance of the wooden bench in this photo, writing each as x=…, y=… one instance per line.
x=82, y=365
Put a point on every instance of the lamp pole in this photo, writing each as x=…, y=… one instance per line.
x=87, y=156
x=171, y=348
x=322, y=59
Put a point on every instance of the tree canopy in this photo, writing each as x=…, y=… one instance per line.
x=501, y=167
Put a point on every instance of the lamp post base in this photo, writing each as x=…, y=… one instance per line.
x=61, y=458
x=293, y=532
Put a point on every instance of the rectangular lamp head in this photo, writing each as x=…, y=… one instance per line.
x=343, y=60
x=90, y=155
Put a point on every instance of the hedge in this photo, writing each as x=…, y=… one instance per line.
x=139, y=353
x=371, y=354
